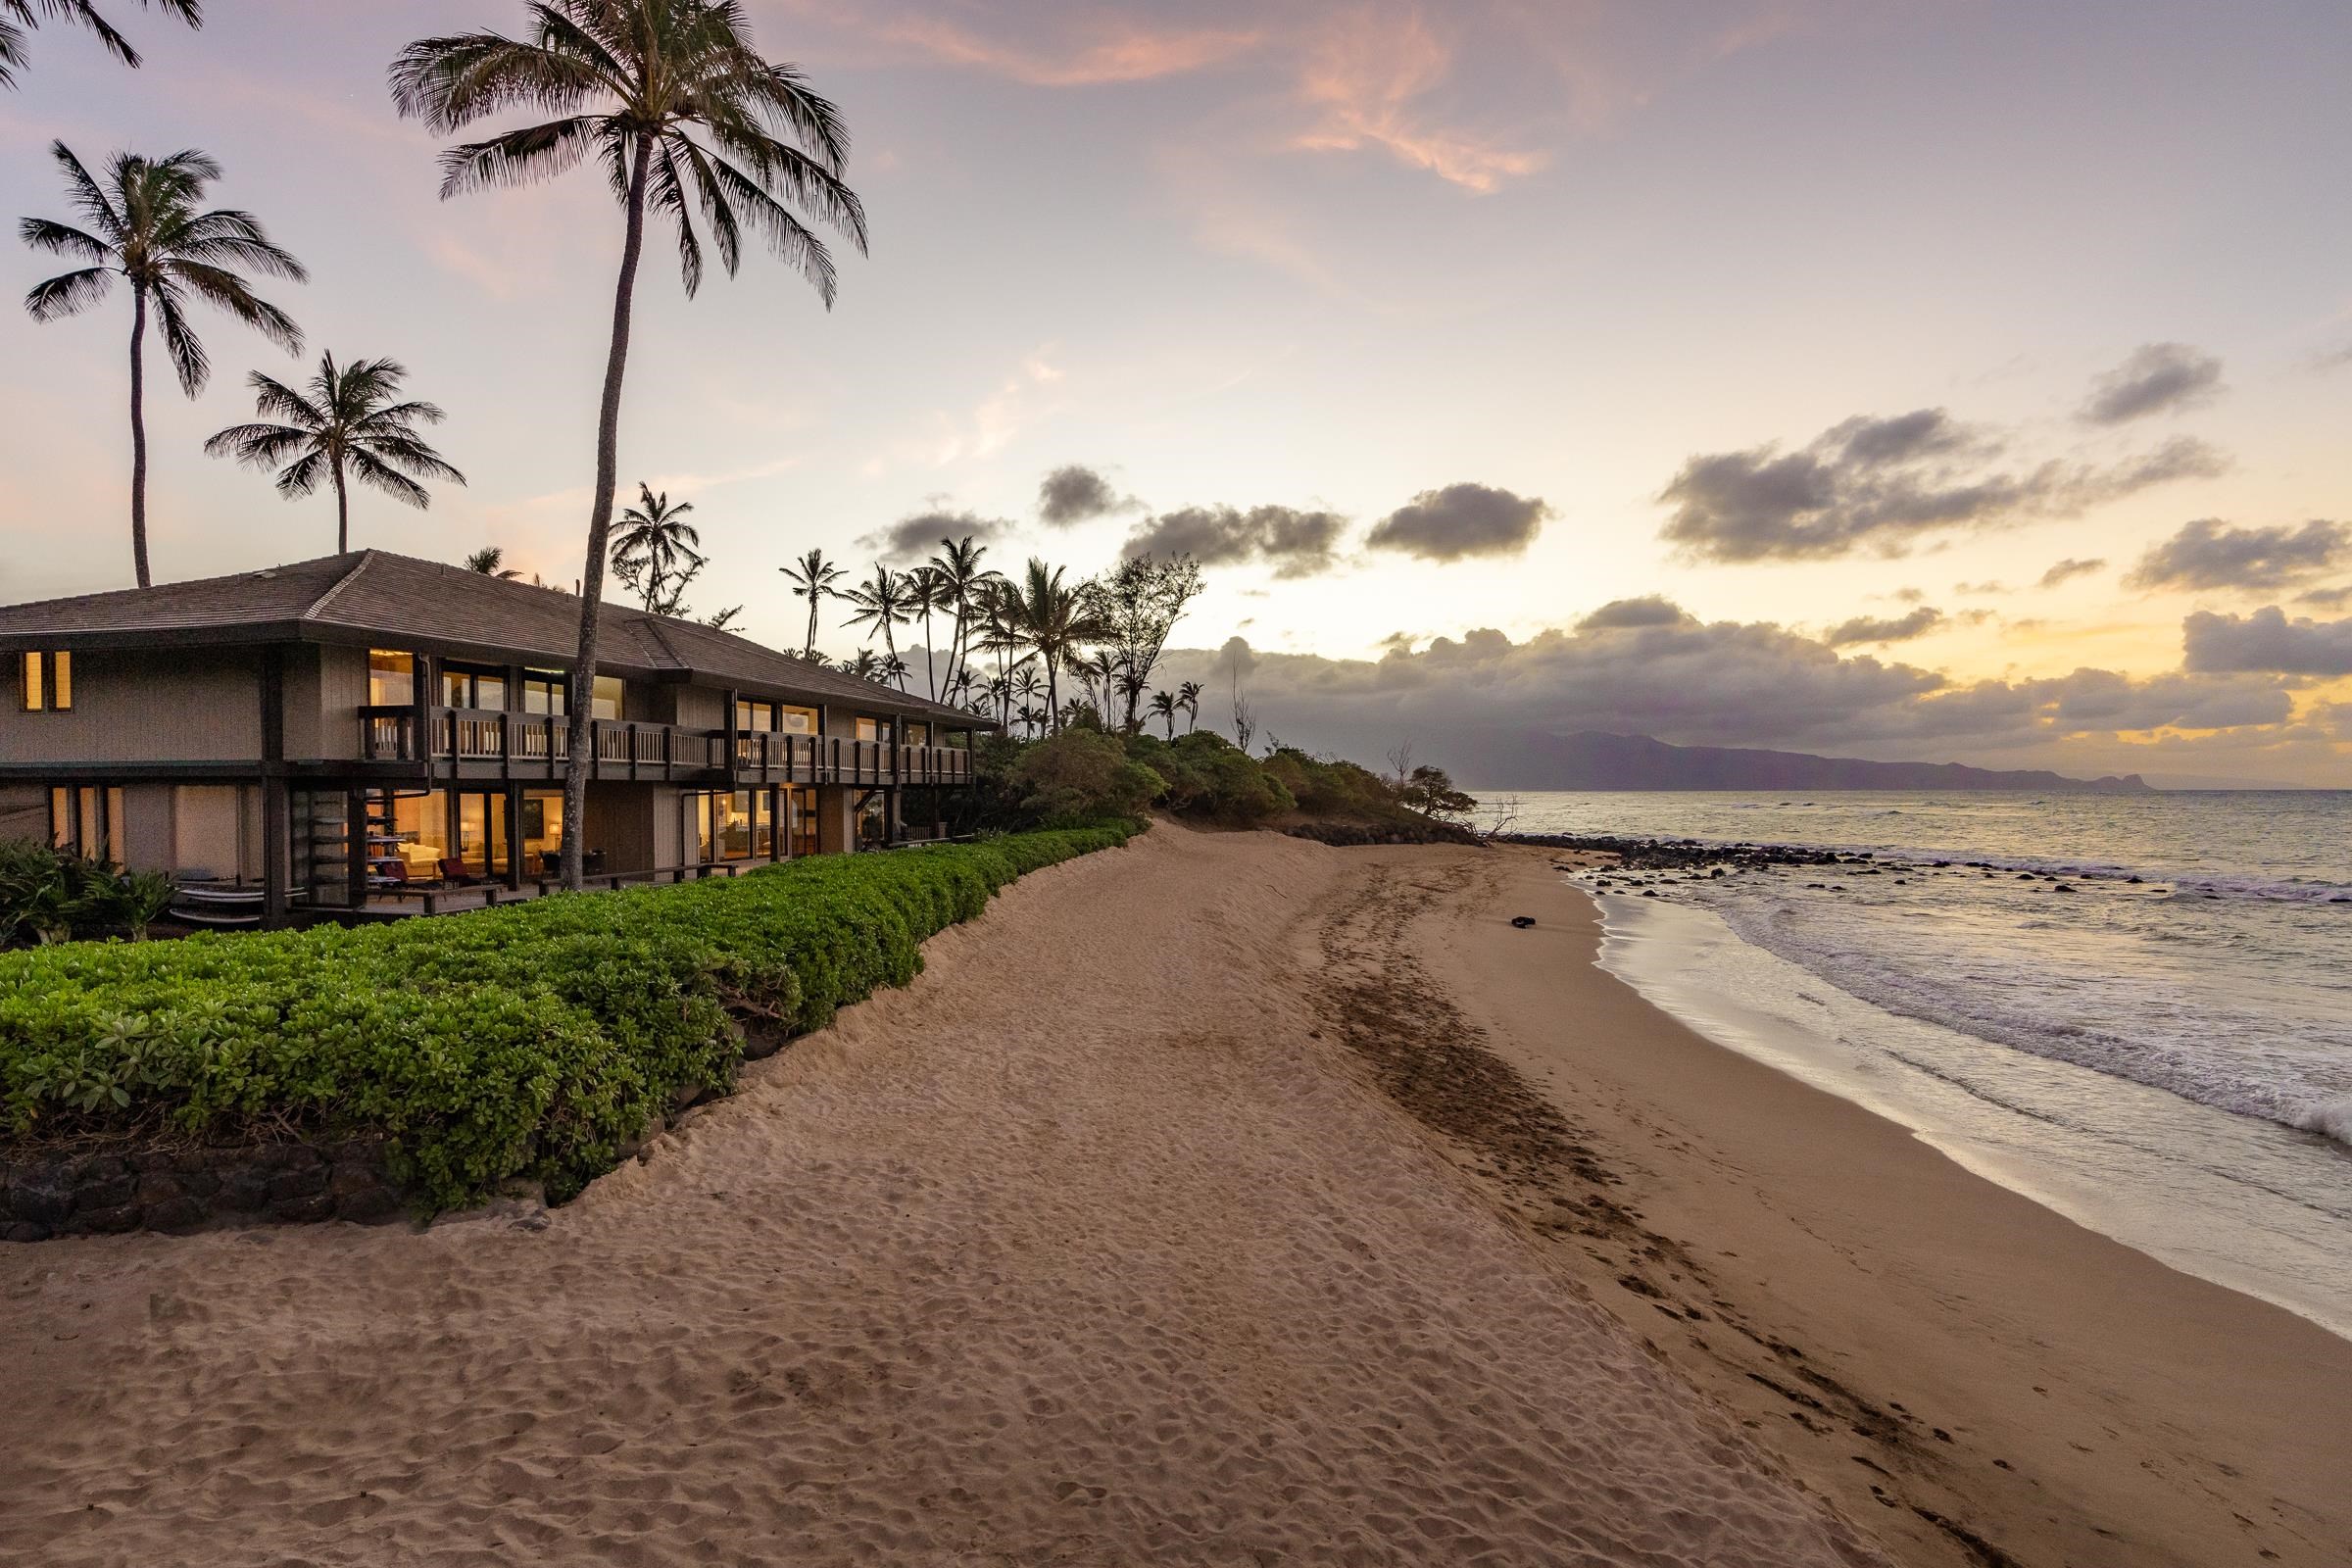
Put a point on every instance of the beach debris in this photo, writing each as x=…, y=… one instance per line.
x=1522, y=922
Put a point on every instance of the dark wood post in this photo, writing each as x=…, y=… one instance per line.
x=276, y=806
x=513, y=803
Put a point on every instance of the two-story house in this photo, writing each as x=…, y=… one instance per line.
x=339, y=733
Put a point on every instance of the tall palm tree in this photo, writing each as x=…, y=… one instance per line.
x=968, y=585
x=147, y=225
x=1164, y=706
x=813, y=577
x=1051, y=618
x=349, y=424
x=19, y=18
x=881, y=604
x=491, y=562
x=633, y=81
x=926, y=590
x=654, y=549
x=1188, y=698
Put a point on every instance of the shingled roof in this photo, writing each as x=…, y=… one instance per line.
x=374, y=597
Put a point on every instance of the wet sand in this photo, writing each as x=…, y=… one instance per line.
x=1225, y=1199
x=1970, y=1376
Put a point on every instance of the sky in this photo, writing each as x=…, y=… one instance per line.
x=1921, y=379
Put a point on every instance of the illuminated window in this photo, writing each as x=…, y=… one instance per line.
x=873, y=730
x=607, y=702
x=87, y=822
x=48, y=682
x=469, y=686
x=543, y=692
x=391, y=678
x=795, y=720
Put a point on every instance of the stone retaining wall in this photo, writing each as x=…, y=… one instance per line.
x=104, y=1192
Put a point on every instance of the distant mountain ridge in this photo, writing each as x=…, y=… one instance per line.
x=1593, y=759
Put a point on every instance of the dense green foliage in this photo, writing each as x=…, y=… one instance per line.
x=534, y=1038
x=1086, y=773
x=48, y=895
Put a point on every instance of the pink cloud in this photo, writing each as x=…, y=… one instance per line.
x=1119, y=52
x=1364, y=78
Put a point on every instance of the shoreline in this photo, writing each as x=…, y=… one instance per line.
x=1907, y=1335
x=1226, y=1197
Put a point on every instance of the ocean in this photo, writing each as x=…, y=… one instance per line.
x=2135, y=1009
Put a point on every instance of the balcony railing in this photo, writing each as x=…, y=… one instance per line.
x=476, y=740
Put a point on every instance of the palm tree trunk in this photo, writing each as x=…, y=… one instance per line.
x=580, y=729
x=930, y=671
x=811, y=649
x=139, y=437
x=342, y=511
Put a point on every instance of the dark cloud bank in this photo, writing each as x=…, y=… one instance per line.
x=2266, y=642
x=1294, y=543
x=1485, y=706
x=1882, y=486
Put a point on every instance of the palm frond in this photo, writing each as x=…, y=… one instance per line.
x=391, y=481
x=227, y=291
x=303, y=477
x=452, y=81
x=273, y=397
x=60, y=239
x=518, y=157
x=189, y=361
x=69, y=293
x=258, y=446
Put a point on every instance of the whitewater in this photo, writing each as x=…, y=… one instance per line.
x=2135, y=1007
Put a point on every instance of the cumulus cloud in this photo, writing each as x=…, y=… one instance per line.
x=1882, y=484
x=1460, y=521
x=1075, y=493
x=2158, y=378
x=1902, y=628
x=1294, y=543
x=1624, y=615
x=2069, y=569
x=916, y=538
x=2266, y=642
x=1483, y=704
x=2211, y=554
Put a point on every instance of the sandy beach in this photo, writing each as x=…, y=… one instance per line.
x=1226, y=1198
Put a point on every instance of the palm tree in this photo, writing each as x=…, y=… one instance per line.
x=632, y=80
x=881, y=603
x=1188, y=698
x=349, y=422
x=18, y=18
x=1027, y=684
x=866, y=667
x=491, y=562
x=967, y=588
x=655, y=550
x=814, y=577
x=894, y=670
x=146, y=223
x=1164, y=706
x=1033, y=718
x=926, y=590
x=1051, y=618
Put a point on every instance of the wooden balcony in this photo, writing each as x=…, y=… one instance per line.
x=465, y=743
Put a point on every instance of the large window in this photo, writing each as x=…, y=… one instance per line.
x=89, y=821
x=917, y=735
x=607, y=702
x=473, y=686
x=873, y=730
x=391, y=678
x=541, y=835
x=543, y=692
x=48, y=682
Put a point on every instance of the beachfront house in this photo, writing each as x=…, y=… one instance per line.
x=372, y=733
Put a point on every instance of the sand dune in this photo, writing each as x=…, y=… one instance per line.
x=1096, y=1245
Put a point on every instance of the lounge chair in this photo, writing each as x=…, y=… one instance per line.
x=454, y=874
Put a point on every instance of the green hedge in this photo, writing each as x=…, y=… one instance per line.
x=534, y=1038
